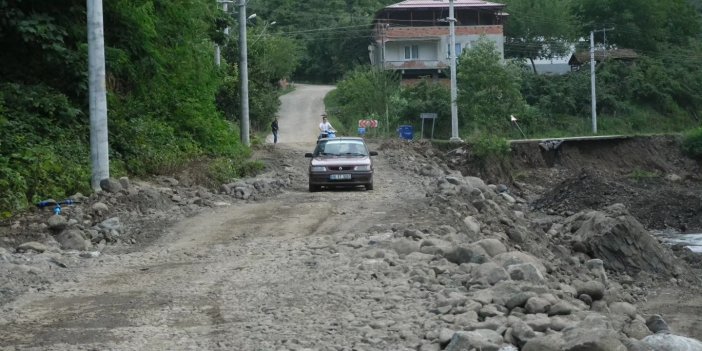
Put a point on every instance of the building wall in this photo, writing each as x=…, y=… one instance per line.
x=435, y=51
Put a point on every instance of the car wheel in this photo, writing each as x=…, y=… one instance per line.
x=314, y=188
x=369, y=186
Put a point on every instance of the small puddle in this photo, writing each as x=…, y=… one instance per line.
x=693, y=241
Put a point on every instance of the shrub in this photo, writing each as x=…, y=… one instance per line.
x=490, y=147
x=692, y=143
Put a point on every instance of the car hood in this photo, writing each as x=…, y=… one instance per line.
x=340, y=160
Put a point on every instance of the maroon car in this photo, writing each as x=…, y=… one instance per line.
x=342, y=161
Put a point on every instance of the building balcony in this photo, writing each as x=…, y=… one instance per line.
x=404, y=33
x=415, y=65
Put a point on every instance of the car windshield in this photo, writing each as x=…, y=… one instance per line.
x=341, y=148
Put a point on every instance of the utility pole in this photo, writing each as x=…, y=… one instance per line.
x=218, y=55
x=593, y=97
x=99, y=155
x=454, y=92
x=244, y=74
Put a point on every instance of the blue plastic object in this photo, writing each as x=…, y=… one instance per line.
x=406, y=132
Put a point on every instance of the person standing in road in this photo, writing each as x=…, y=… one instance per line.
x=274, y=129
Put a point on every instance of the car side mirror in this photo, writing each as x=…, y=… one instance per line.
x=373, y=153
x=308, y=154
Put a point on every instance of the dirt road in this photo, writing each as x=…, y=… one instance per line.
x=257, y=276
x=300, y=113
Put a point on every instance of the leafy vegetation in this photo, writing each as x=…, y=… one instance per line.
x=168, y=103
x=539, y=29
x=334, y=34
x=692, y=143
x=487, y=147
x=640, y=175
x=488, y=91
x=366, y=93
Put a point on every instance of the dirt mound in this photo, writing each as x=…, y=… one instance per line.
x=655, y=202
x=649, y=175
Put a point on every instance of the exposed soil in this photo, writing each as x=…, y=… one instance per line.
x=649, y=175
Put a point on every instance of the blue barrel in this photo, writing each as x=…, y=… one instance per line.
x=406, y=132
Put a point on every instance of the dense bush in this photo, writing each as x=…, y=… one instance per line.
x=488, y=90
x=43, y=146
x=367, y=93
x=161, y=82
x=427, y=97
x=692, y=143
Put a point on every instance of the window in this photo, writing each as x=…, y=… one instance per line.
x=448, y=50
x=411, y=52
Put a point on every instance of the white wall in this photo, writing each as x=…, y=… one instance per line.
x=395, y=51
x=437, y=50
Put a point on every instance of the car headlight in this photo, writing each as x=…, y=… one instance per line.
x=318, y=169
x=362, y=168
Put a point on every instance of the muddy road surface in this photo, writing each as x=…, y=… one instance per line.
x=254, y=277
x=261, y=275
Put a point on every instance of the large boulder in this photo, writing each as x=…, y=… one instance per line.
x=663, y=341
x=620, y=241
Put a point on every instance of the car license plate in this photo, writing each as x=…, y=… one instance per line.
x=340, y=177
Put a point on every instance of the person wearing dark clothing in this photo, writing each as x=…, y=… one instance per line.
x=274, y=128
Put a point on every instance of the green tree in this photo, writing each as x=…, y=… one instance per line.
x=488, y=90
x=334, y=34
x=368, y=91
x=272, y=58
x=641, y=24
x=539, y=29
x=427, y=97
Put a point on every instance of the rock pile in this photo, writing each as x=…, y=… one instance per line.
x=499, y=281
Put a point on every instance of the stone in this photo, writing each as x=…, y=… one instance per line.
x=561, y=308
x=522, y=332
x=636, y=328
x=73, y=240
x=525, y=272
x=124, y=182
x=490, y=273
x=110, y=185
x=517, y=257
x=519, y=299
x=467, y=254
x=672, y=342
x=623, y=308
x=594, y=289
x=492, y=247
x=57, y=223
x=537, y=305
x=99, y=208
x=577, y=339
x=656, y=324
x=481, y=339
x=549, y=342
x=33, y=246
x=473, y=226
x=620, y=241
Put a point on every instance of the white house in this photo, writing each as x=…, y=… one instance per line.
x=413, y=36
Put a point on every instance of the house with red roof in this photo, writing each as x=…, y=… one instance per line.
x=412, y=36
